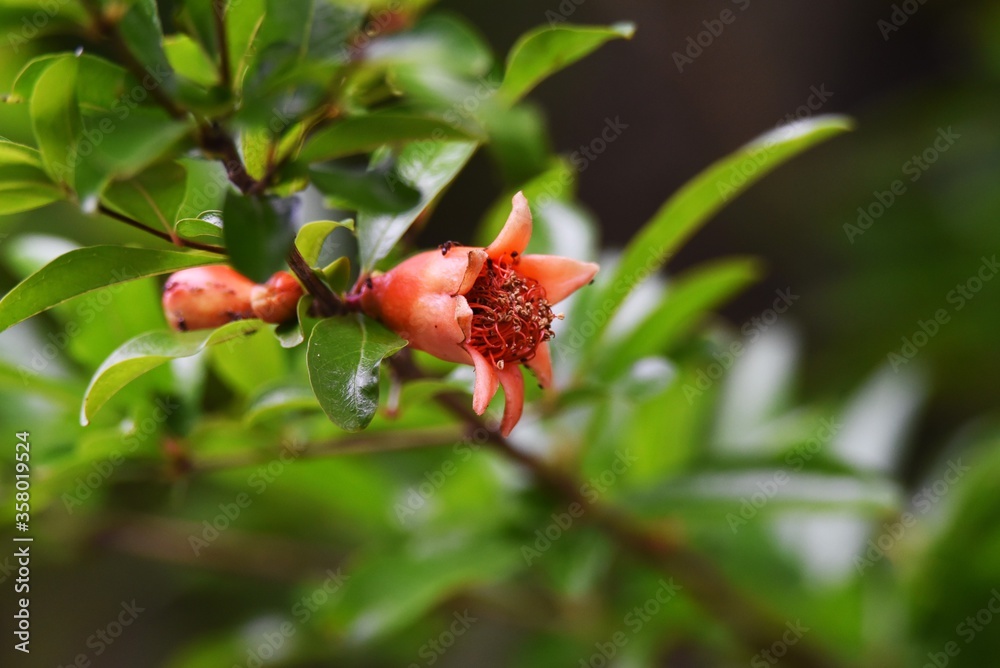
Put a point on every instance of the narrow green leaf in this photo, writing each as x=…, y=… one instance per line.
x=697, y=201
x=55, y=118
x=148, y=351
x=81, y=271
x=690, y=296
x=428, y=166
x=344, y=356
x=544, y=51
x=311, y=236
x=373, y=190
x=141, y=30
x=258, y=233
x=362, y=134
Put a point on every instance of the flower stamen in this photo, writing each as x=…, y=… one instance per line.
x=511, y=316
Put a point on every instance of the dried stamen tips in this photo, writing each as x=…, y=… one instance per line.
x=511, y=316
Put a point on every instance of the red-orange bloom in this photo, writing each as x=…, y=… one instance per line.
x=489, y=307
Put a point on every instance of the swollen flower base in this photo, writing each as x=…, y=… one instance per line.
x=489, y=307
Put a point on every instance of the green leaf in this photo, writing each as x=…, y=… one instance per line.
x=81, y=271
x=276, y=402
x=311, y=236
x=55, y=118
x=258, y=233
x=148, y=351
x=198, y=229
x=372, y=190
x=24, y=185
x=243, y=22
x=546, y=50
x=698, y=200
x=205, y=188
x=142, y=32
x=362, y=134
x=188, y=58
x=344, y=357
x=230, y=362
x=688, y=298
x=430, y=167
x=154, y=196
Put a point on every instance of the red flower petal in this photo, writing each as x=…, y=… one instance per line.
x=513, y=391
x=560, y=276
x=541, y=364
x=516, y=232
x=487, y=381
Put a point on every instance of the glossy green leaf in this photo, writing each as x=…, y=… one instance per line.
x=311, y=236
x=546, y=50
x=687, y=299
x=24, y=185
x=188, y=59
x=344, y=356
x=362, y=134
x=198, y=229
x=258, y=234
x=375, y=191
x=698, y=200
x=55, y=118
x=86, y=269
x=430, y=167
x=148, y=351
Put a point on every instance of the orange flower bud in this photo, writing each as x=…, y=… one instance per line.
x=206, y=297
x=275, y=301
x=489, y=307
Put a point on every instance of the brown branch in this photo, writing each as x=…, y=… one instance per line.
x=755, y=627
x=219, y=15
x=177, y=241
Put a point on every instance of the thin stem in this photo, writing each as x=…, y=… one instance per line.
x=187, y=243
x=350, y=445
x=326, y=302
x=755, y=627
x=219, y=15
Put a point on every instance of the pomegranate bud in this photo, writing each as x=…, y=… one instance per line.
x=206, y=297
x=275, y=301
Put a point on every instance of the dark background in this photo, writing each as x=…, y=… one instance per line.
x=858, y=300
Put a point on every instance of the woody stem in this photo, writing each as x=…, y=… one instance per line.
x=750, y=623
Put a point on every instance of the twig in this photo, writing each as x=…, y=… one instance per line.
x=755, y=627
x=219, y=15
x=187, y=243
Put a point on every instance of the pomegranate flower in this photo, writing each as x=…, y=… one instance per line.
x=488, y=307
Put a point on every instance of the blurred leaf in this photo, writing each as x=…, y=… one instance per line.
x=430, y=167
x=345, y=354
x=703, y=196
x=395, y=588
x=363, y=134
x=311, y=236
x=258, y=233
x=142, y=32
x=189, y=60
x=277, y=402
x=24, y=185
x=688, y=298
x=153, y=197
x=86, y=269
x=243, y=22
x=55, y=118
x=148, y=351
x=374, y=191
x=544, y=51
x=205, y=188
x=230, y=362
